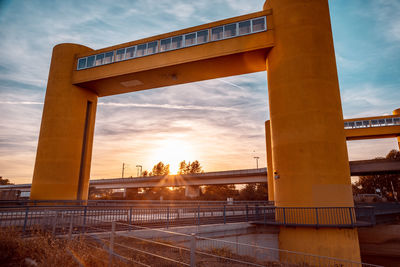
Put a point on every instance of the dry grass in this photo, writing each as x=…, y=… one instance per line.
x=41, y=249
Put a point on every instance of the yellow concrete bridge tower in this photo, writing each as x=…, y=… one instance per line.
x=291, y=39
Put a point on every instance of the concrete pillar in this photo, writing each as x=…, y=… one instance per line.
x=270, y=169
x=308, y=142
x=192, y=191
x=397, y=112
x=64, y=150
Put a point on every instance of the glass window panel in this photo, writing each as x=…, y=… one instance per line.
x=130, y=52
x=258, y=24
x=374, y=122
x=230, y=30
x=366, y=123
x=152, y=48
x=346, y=125
x=244, y=27
x=165, y=44
x=396, y=121
x=382, y=121
x=358, y=123
x=389, y=121
x=217, y=33
x=90, y=61
x=176, y=42
x=351, y=124
x=202, y=37
x=99, y=59
x=120, y=54
x=141, y=50
x=108, y=57
x=82, y=63
x=190, y=39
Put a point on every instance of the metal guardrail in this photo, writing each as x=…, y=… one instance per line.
x=58, y=218
x=129, y=202
x=96, y=222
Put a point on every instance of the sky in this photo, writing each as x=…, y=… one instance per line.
x=218, y=122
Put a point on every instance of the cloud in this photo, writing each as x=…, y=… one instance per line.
x=221, y=120
x=166, y=106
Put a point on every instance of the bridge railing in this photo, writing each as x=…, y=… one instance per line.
x=57, y=218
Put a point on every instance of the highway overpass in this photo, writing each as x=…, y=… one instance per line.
x=357, y=168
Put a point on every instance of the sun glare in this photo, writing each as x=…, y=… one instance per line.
x=172, y=152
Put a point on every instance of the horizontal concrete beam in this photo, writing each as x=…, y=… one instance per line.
x=357, y=168
x=377, y=166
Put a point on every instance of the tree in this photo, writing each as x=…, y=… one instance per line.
x=4, y=181
x=186, y=168
x=388, y=184
x=160, y=169
x=145, y=173
x=219, y=192
x=257, y=191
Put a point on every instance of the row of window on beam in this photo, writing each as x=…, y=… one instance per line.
x=372, y=123
x=195, y=38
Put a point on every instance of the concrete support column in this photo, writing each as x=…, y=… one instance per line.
x=397, y=112
x=308, y=142
x=270, y=169
x=64, y=150
x=192, y=191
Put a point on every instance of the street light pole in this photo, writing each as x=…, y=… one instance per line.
x=123, y=169
x=139, y=171
x=257, y=161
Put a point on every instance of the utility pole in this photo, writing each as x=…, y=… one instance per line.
x=123, y=169
x=256, y=161
x=139, y=170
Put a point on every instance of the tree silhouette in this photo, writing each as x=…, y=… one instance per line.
x=4, y=181
x=186, y=168
x=160, y=169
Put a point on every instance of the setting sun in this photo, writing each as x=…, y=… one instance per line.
x=172, y=152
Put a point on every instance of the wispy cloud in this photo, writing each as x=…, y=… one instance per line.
x=166, y=106
x=221, y=121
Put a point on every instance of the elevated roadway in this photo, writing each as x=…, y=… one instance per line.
x=363, y=167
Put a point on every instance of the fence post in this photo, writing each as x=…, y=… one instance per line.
x=198, y=215
x=70, y=228
x=26, y=219
x=112, y=243
x=265, y=215
x=54, y=224
x=167, y=217
x=247, y=213
x=193, y=250
x=84, y=220
x=284, y=216
x=224, y=214
x=351, y=218
x=130, y=218
x=257, y=213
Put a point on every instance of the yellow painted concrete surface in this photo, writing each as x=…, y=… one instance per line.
x=372, y=132
x=214, y=59
x=308, y=142
x=271, y=186
x=330, y=242
x=59, y=153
